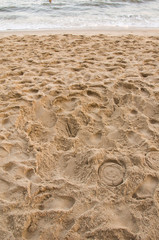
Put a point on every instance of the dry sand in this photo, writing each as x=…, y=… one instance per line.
x=79, y=137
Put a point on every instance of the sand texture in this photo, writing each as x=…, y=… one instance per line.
x=79, y=137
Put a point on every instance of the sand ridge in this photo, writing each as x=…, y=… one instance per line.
x=79, y=142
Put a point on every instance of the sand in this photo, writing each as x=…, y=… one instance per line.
x=79, y=137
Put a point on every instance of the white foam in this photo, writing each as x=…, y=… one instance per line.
x=71, y=14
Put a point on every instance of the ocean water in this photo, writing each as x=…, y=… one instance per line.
x=77, y=14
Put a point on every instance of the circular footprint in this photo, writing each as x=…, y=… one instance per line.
x=111, y=173
x=152, y=159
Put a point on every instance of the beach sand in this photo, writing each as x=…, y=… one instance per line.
x=79, y=139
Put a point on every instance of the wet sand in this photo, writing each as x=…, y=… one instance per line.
x=113, y=31
x=79, y=139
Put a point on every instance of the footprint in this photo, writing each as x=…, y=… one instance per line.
x=128, y=86
x=83, y=118
x=6, y=122
x=153, y=121
x=78, y=86
x=111, y=173
x=9, y=166
x=68, y=104
x=32, y=176
x=93, y=94
x=134, y=111
x=145, y=92
x=47, y=118
x=19, y=171
x=72, y=127
x=4, y=186
x=123, y=218
x=152, y=159
x=37, y=132
x=67, y=126
x=147, y=188
x=79, y=167
x=146, y=74
x=59, y=203
x=3, y=152
x=134, y=138
x=95, y=139
x=63, y=144
x=71, y=104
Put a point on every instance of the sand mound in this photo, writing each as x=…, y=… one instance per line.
x=79, y=140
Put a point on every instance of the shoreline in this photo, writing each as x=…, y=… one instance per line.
x=115, y=31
